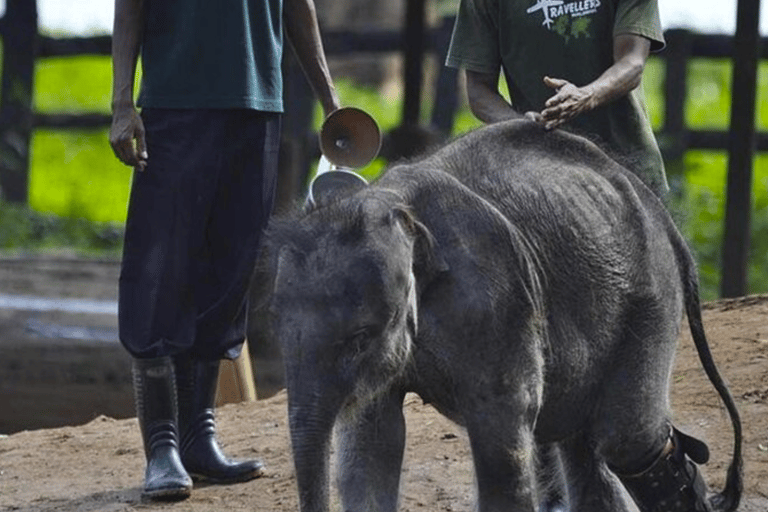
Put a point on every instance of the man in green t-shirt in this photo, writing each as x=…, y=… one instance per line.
x=576, y=64
x=205, y=149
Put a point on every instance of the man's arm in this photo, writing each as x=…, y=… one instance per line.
x=126, y=135
x=485, y=101
x=630, y=53
x=303, y=33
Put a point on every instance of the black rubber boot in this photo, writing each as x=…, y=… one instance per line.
x=155, y=391
x=672, y=483
x=200, y=452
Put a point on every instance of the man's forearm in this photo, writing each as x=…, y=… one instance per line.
x=485, y=101
x=304, y=35
x=126, y=42
x=617, y=81
x=626, y=73
x=491, y=108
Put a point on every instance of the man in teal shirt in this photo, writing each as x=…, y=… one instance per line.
x=204, y=149
x=576, y=64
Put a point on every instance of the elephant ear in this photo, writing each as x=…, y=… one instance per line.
x=428, y=262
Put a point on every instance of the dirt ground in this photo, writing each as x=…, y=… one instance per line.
x=99, y=466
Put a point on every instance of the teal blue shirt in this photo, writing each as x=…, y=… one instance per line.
x=212, y=54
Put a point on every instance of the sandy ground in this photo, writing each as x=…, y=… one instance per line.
x=99, y=466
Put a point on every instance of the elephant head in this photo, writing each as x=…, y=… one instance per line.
x=344, y=309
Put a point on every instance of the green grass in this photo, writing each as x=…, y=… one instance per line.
x=23, y=230
x=73, y=173
x=75, y=181
x=73, y=84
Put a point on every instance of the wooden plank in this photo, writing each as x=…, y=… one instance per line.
x=741, y=142
x=19, y=31
x=413, y=68
x=718, y=140
x=447, y=89
x=72, y=121
x=338, y=42
x=236, y=382
x=718, y=46
x=677, y=54
x=73, y=46
x=342, y=42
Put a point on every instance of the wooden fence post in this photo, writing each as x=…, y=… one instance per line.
x=414, y=46
x=447, y=89
x=674, y=137
x=741, y=147
x=19, y=32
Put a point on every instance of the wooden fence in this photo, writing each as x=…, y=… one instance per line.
x=682, y=46
x=22, y=45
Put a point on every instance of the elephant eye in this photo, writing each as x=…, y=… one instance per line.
x=358, y=340
x=359, y=335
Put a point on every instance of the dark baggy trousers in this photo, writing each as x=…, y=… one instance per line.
x=195, y=217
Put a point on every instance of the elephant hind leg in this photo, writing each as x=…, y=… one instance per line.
x=673, y=481
x=631, y=423
x=657, y=468
x=592, y=487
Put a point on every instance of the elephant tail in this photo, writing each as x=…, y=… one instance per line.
x=728, y=500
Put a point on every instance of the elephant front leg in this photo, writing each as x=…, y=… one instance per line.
x=370, y=456
x=505, y=467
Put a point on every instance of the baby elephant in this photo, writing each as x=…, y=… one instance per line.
x=529, y=287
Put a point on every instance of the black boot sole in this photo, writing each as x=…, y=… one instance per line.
x=173, y=494
x=245, y=477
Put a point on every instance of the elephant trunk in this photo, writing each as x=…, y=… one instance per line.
x=311, y=419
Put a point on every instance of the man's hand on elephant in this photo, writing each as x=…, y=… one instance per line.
x=534, y=116
x=568, y=102
x=127, y=137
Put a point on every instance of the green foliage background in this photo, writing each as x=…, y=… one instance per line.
x=79, y=189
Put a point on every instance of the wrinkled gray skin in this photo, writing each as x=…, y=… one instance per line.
x=522, y=282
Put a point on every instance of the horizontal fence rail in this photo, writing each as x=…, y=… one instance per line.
x=336, y=43
x=682, y=46
x=71, y=121
x=73, y=46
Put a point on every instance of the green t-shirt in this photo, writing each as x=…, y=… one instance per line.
x=211, y=54
x=572, y=40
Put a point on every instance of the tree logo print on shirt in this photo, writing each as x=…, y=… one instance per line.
x=567, y=19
